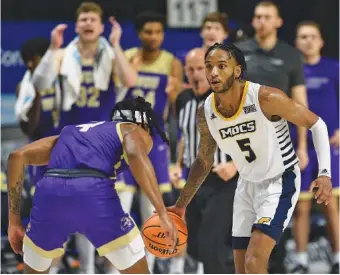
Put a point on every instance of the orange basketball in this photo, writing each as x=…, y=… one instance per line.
x=156, y=241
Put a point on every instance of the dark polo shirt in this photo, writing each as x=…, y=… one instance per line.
x=281, y=67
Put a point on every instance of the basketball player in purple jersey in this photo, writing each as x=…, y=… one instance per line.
x=92, y=104
x=81, y=161
x=322, y=78
x=44, y=118
x=159, y=80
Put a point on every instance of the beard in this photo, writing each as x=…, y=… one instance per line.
x=226, y=85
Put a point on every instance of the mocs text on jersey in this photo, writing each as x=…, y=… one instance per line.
x=244, y=127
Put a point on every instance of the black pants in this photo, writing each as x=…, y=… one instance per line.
x=209, y=220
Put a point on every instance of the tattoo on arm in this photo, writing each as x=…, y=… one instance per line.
x=14, y=194
x=202, y=164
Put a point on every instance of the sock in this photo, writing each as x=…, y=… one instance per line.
x=150, y=258
x=177, y=265
x=54, y=270
x=336, y=257
x=302, y=258
x=86, y=254
x=113, y=270
x=200, y=268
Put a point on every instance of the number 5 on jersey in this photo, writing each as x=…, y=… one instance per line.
x=244, y=145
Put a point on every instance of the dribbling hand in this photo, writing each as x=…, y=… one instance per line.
x=16, y=235
x=169, y=229
x=57, y=36
x=323, y=185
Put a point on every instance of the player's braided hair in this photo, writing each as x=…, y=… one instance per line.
x=140, y=105
x=232, y=51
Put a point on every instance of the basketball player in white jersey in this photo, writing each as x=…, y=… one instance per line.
x=249, y=122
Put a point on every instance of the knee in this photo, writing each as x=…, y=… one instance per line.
x=254, y=264
x=302, y=210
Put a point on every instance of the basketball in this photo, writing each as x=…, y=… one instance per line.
x=156, y=241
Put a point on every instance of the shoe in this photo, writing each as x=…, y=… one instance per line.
x=300, y=269
x=335, y=269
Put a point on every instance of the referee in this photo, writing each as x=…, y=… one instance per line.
x=209, y=238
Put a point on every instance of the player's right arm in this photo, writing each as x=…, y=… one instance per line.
x=48, y=69
x=201, y=166
x=35, y=153
x=137, y=144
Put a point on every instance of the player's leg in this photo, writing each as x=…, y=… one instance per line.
x=130, y=259
x=258, y=252
x=243, y=218
x=112, y=231
x=126, y=187
x=50, y=224
x=301, y=230
x=332, y=213
x=301, y=226
x=86, y=254
x=274, y=202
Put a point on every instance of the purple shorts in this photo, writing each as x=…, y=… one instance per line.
x=159, y=157
x=90, y=206
x=311, y=171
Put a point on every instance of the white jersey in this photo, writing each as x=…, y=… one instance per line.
x=260, y=149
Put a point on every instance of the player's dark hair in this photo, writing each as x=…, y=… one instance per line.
x=140, y=105
x=232, y=51
x=147, y=17
x=34, y=47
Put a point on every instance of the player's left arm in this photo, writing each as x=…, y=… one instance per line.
x=126, y=73
x=275, y=103
x=36, y=153
x=299, y=95
x=175, y=80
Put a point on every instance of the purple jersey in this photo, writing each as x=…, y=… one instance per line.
x=322, y=80
x=92, y=104
x=51, y=121
x=152, y=81
x=96, y=145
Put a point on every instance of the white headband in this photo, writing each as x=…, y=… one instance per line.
x=128, y=114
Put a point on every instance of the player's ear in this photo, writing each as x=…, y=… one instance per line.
x=237, y=71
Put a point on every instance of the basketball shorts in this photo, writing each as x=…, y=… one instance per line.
x=309, y=174
x=159, y=157
x=267, y=206
x=90, y=206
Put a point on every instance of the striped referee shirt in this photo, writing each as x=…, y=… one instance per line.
x=186, y=107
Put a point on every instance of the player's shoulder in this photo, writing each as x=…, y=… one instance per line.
x=245, y=45
x=167, y=58
x=129, y=53
x=330, y=62
x=167, y=54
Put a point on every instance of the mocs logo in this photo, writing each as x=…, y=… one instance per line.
x=245, y=127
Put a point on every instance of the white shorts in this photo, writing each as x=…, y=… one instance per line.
x=267, y=206
x=121, y=258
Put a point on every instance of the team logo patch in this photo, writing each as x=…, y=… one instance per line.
x=245, y=127
x=249, y=109
x=125, y=223
x=264, y=220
